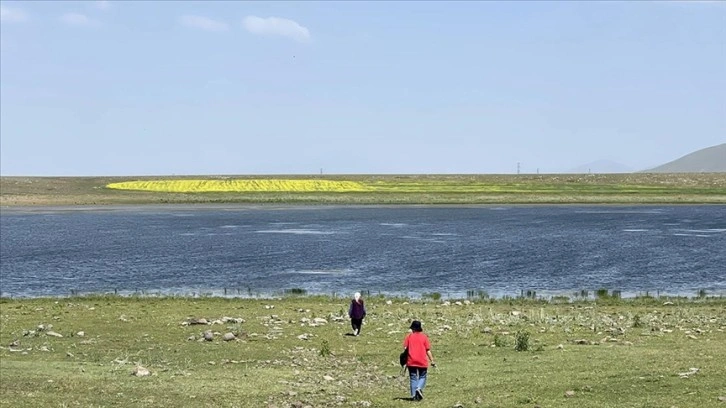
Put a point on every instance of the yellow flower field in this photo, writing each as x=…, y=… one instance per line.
x=246, y=185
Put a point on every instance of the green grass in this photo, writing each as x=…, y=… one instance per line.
x=633, y=188
x=634, y=352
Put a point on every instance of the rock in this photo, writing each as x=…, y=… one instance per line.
x=303, y=337
x=691, y=371
x=457, y=405
x=320, y=320
x=198, y=321
x=722, y=399
x=15, y=343
x=692, y=337
x=41, y=327
x=515, y=313
x=560, y=347
x=487, y=330
x=569, y=394
x=69, y=354
x=191, y=338
x=44, y=348
x=53, y=334
x=667, y=303
x=228, y=337
x=81, y=334
x=140, y=371
x=328, y=378
x=388, y=302
x=208, y=335
x=477, y=400
x=446, y=327
x=458, y=303
x=581, y=341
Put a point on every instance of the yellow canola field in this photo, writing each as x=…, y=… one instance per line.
x=227, y=186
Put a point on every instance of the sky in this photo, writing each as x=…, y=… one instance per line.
x=98, y=88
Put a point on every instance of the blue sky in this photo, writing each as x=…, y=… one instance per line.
x=156, y=88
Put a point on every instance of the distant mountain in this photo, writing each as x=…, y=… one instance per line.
x=601, y=166
x=708, y=160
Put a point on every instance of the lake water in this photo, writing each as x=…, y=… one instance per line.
x=409, y=250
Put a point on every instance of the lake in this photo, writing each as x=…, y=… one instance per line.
x=397, y=250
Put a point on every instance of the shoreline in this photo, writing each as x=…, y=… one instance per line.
x=33, y=209
x=472, y=295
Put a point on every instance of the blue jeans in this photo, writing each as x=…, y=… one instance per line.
x=418, y=379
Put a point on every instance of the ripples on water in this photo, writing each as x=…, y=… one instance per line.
x=390, y=250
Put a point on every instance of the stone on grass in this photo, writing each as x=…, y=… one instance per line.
x=140, y=371
x=53, y=334
x=722, y=399
x=328, y=378
x=81, y=334
x=208, y=335
x=569, y=393
x=228, y=337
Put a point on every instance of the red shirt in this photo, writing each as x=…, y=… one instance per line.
x=418, y=344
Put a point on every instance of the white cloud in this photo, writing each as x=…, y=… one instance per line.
x=276, y=26
x=203, y=23
x=78, y=19
x=12, y=15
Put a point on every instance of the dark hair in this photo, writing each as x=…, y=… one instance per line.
x=416, y=326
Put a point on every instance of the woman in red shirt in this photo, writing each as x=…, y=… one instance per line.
x=419, y=355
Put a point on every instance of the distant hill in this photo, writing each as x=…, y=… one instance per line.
x=708, y=160
x=601, y=166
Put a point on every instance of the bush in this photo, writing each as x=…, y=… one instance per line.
x=522, y=341
x=325, y=349
x=500, y=341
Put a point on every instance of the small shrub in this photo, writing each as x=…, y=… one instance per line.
x=702, y=293
x=295, y=291
x=434, y=295
x=522, y=341
x=500, y=341
x=325, y=349
x=601, y=293
x=637, y=322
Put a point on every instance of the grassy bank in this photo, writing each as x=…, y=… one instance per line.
x=294, y=351
x=632, y=188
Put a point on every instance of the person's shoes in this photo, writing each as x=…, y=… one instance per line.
x=419, y=395
x=355, y=332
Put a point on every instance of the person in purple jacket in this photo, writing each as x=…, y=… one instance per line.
x=357, y=311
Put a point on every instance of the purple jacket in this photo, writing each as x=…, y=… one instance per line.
x=357, y=310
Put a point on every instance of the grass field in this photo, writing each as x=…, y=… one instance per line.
x=632, y=188
x=294, y=352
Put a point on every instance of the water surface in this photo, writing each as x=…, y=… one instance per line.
x=393, y=250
